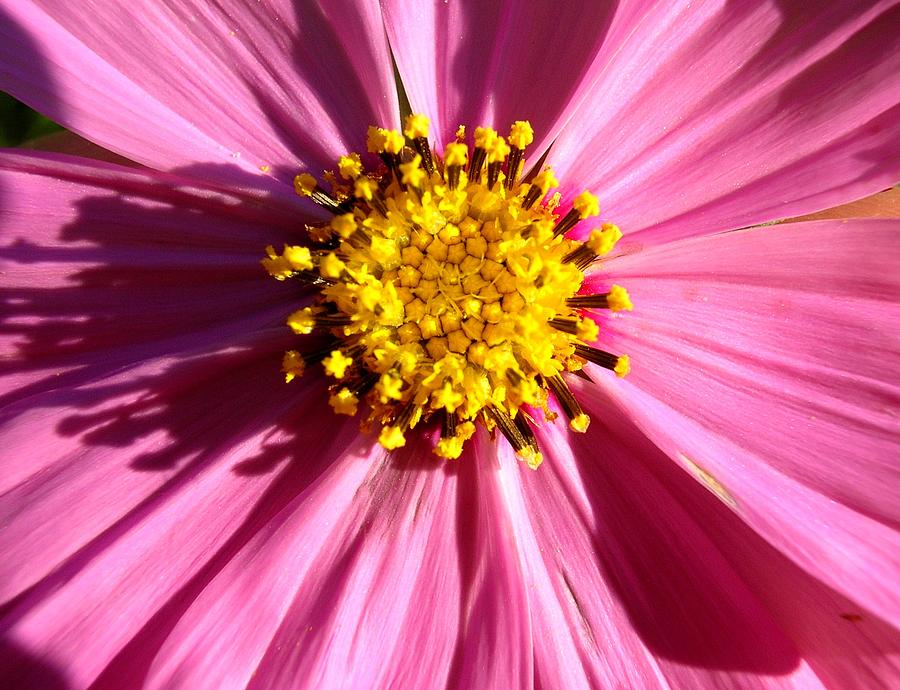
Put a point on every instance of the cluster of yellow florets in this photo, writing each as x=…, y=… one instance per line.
x=450, y=288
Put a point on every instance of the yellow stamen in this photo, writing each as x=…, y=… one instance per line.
x=618, y=299
x=416, y=126
x=350, y=166
x=305, y=184
x=602, y=241
x=586, y=204
x=391, y=437
x=521, y=134
x=336, y=364
x=343, y=401
x=292, y=365
x=456, y=154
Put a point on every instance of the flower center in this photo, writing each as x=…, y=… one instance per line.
x=448, y=289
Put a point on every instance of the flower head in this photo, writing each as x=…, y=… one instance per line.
x=451, y=292
x=176, y=515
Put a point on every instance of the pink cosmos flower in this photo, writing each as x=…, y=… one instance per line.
x=175, y=516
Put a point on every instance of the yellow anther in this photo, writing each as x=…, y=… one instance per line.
x=331, y=267
x=521, y=134
x=580, y=423
x=586, y=204
x=365, y=188
x=546, y=180
x=412, y=172
x=416, y=126
x=336, y=364
x=456, y=154
x=344, y=225
x=393, y=141
x=350, y=166
x=292, y=365
x=499, y=150
x=447, y=397
x=277, y=266
x=305, y=184
x=623, y=366
x=389, y=387
x=449, y=448
x=384, y=250
x=531, y=457
x=298, y=257
x=391, y=438
x=588, y=330
x=344, y=402
x=460, y=133
x=485, y=137
x=618, y=299
x=602, y=240
x=302, y=321
x=375, y=138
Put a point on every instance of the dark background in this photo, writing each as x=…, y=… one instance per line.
x=20, y=123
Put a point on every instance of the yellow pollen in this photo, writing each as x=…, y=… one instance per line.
x=393, y=141
x=364, y=188
x=343, y=401
x=391, y=437
x=485, y=138
x=618, y=299
x=375, y=139
x=336, y=364
x=344, y=225
x=521, y=134
x=416, y=126
x=305, y=184
x=350, y=166
x=412, y=172
x=580, y=423
x=623, y=366
x=546, y=180
x=586, y=204
x=292, y=365
x=602, y=240
x=499, y=150
x=456, y=154
x=448, y=294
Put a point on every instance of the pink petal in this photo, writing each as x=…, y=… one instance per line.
x=626, y=587
x=158, y=527
x=765, y=363
x=97, y=257
x=347, y=571
x=846, y=646
x=239, y=92
x=110, y=269
x=714, y=115
x=491, y=63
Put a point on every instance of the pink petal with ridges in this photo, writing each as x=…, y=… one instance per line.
x=239, y=613
x=716, y=115
x=626, y=577
x=224, y=88
x=845, y=645
x=120, y=436
x=490, y=64
x=764, y=363
x=99, y=260
x=144, y=565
